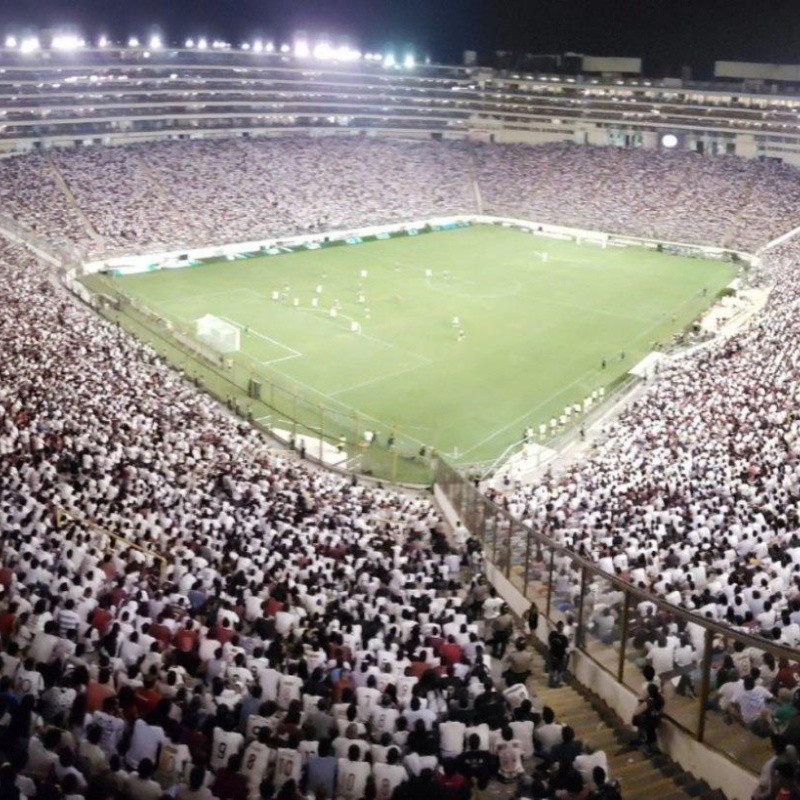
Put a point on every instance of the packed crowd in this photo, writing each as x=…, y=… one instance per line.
x=300, y=636
x=237, y=190
x=693, y=496
x=693, y=493
x=306, y=636
x=677, y=196
x=183, y=193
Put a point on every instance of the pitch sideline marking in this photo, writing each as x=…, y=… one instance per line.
x=528, y=412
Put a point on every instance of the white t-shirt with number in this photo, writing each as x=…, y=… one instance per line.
x=256, y=761
x=224, y=744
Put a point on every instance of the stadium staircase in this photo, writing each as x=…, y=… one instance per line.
x=73, y=201
x=473, y=179
x=158, y=187
x=641, y=776
x=733, y=225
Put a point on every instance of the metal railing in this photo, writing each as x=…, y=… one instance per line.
x=288, y=410
x=616, y=624
x=110, y=542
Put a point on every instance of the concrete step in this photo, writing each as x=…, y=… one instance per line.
x=641, y=777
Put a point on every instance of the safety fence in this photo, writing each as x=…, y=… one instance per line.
x=618, y=626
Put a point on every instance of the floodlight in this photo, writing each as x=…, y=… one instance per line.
x=409, y=62
x=323, y=51
x=202, y=44
x=389, y=60
x=133, y=42
x=29, y=45
x=245, y=46
x=257, y=46
x=269, y=47
x=301, y=49
x=189, y=44
x=102, y=42
x=285, y=48
x=11, y=42
x=669, y=140
x=345, y=53
x=66, y=42
x=155, y=42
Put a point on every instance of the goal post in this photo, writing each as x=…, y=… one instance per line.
x=224, y=337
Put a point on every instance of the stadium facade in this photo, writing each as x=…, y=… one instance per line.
x=119, y=95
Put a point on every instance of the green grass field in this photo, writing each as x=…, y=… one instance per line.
x=536, y=332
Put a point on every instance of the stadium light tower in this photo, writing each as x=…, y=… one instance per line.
x=155, y=42
x=133, y=42
x=409, y=61
x=301, y=49
x=11, y=42
x=202, y=44
x=389, y=60
x=102, y=42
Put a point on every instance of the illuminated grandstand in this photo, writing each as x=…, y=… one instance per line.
x=188, y=600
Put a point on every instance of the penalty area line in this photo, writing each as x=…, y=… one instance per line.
x=294, y=353
x=376, y=379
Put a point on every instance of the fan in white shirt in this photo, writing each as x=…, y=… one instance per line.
x=257, y=759
x=288, y=765
x=390, y=775
x=224, y=743
x=351, y=780
x=451, y=738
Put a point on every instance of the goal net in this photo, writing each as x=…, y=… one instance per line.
x=222, y=336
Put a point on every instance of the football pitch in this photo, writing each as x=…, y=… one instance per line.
x=531, y=337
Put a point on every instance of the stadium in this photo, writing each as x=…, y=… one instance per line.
x=375, y=428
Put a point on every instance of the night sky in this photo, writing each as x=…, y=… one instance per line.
x=666, y=33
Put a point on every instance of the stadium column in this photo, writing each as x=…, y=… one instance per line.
x=623, y=635
x=526, y=567
x=705, y=684
x=321, y=429
x=509, y=526
x=550, y=582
